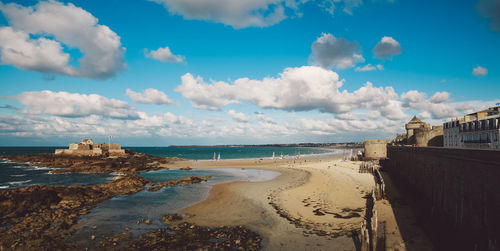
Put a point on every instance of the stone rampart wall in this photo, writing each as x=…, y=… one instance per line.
x=455, y=191
x=375, y=149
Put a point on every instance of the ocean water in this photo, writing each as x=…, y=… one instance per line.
x=14, y=175
x=113, y=216
x=199, y=153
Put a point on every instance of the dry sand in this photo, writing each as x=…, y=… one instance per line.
x=313, y=204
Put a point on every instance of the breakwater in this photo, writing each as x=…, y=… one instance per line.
x=455, y=193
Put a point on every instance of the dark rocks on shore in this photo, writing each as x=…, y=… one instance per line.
x=42, y=217
x=186, y=236
x=187, y=168
x=131, y=164
x=183, y=182
x=170, y=218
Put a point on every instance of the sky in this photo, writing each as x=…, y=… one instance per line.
x=176, y=72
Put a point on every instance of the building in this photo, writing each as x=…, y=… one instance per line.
x=88, y=148
x=421, y=134
x=475, y=130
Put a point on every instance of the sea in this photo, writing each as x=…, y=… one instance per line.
x=114, y=215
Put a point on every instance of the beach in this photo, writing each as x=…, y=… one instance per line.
x=313, y=204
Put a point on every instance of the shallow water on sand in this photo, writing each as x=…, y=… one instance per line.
x=113, y=216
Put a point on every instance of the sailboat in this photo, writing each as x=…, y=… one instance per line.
x=214, y=156
x=218, y=158
x=273, y=155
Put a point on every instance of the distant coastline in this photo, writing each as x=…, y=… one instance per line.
x=325, y=145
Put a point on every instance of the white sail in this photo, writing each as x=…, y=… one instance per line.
x=218, y=158
x=273, y=155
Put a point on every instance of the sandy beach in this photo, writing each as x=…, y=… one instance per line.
x=313, y=204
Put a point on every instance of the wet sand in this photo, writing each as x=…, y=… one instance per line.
x=313, y=204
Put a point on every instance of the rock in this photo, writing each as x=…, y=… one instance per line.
x=169, y=218
x=195, y=237
x=130, y=164
x=187, y=168
x=92, y=237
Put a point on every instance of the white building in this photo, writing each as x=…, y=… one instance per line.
x=476, y=130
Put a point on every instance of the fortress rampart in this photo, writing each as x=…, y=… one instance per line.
x=456, y=192
x=88, y=148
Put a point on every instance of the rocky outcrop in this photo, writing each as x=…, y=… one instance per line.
x=130, y=164
x=183, y=182
x=170, y=218
x=186, y=236
x=42, y=217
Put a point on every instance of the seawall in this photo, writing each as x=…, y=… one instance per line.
x=455, y=193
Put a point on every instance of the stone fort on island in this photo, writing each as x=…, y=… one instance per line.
x=87, y=147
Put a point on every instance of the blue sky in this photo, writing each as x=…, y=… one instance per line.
x=283, y=76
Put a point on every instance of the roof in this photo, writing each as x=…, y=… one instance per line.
x=415, y=120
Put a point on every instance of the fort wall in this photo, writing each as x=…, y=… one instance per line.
x=429, y=136
x=375, y=149
x=454, y=191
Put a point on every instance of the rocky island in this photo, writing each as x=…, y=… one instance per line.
x=45, y=217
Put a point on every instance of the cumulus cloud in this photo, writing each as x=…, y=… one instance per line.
x=490, y=9
x=386, y=48
x=337, y=126
x=74, y=105
x=370, y=67
x=329, y=51
x=265, y=119
x=239, y=14
x=164, y=55
x=440, y=97
x=296, y=89
x=57, y=24
x=238, y=116
x=149, y=96
x=479, y=71
x=250, y=13
x=435, y=107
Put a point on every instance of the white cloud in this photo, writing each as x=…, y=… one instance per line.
x=370, y=67
x=250, y=13
x=74, y=105
x=238, y=116
x=164, y=55
x=329, y=51
x=346, y=116
x=386, y=48
x=440, y=97
x=265, y=119
x=435, y=106
x=479, y=71
x=59, y=24
x=239, y=14
x=149, y=96
x=41, y=55
x=296, y=89
x=336, y=126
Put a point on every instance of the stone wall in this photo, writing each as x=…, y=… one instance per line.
x=455, y=192
x=429, y=137
x=375, y=149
